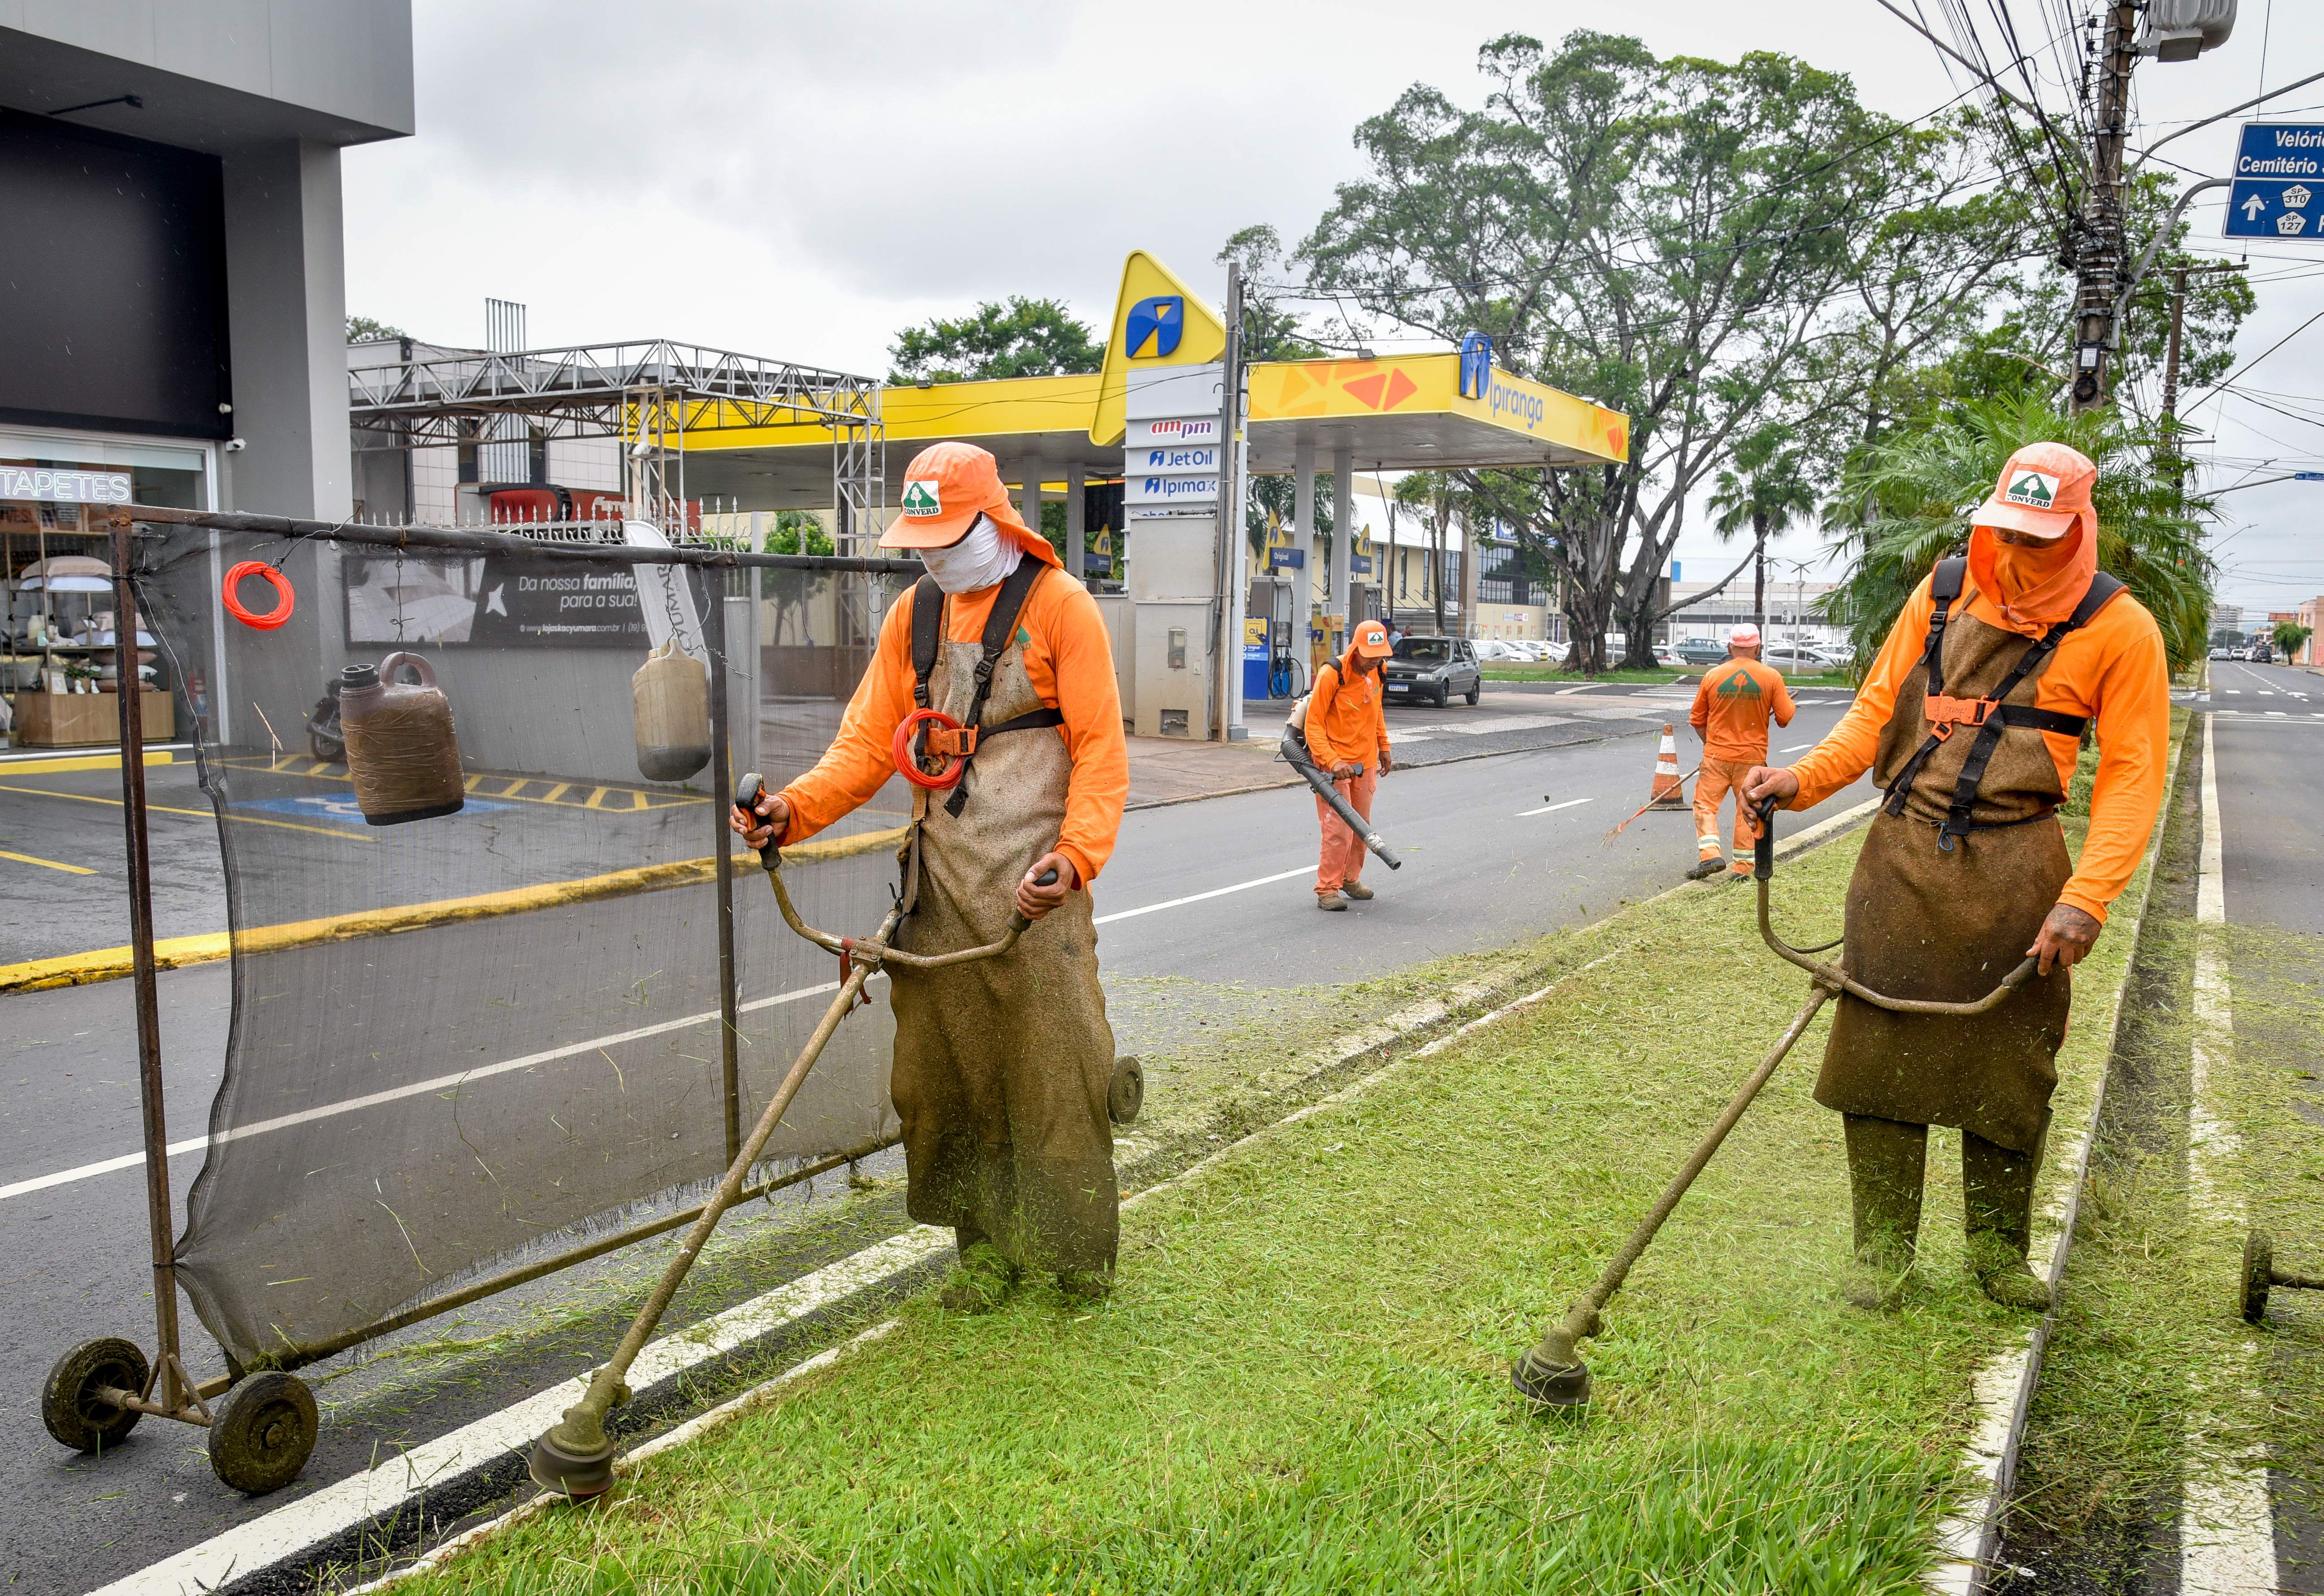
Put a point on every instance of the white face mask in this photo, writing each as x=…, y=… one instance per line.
x=977, y=561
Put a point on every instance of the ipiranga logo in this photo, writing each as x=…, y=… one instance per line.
x=2036, y=490
x=920, y=499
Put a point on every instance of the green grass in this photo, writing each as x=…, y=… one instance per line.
x=1301, y=1383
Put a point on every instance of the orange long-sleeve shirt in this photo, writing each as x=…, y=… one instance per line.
x=1347, y=719
x=1731, y=707
x=1069, y=660
x=2114, y=669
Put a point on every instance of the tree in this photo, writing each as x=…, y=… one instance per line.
x=1665, y=237
x=2289, y=636
x=1922, y=481
x=362, y=329
x=796, y=531
x=1767, y=490
x=1021, y=338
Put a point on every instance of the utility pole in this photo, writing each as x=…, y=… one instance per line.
x=2100, y=253
x=1229, y=606
x=2168, y=454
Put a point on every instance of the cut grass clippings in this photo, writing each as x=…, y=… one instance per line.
x=1301, y=1383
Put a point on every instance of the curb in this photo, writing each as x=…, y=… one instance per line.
x=172, y=953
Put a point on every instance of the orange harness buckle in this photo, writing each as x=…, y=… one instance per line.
x=950, y=741
x=1944, y=713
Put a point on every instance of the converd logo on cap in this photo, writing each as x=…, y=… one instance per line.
x=2036, y=490
x=920, y=499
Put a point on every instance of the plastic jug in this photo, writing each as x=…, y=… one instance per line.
x=671, y=698
x=401, y=752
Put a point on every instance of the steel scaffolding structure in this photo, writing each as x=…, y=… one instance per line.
x=650, y=394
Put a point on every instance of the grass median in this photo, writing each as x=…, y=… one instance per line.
x=1302, y=1381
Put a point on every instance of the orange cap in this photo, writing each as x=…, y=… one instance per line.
x=1371, y=639
x=2044, y=491
x=946, y=487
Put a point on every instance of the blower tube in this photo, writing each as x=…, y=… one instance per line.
x=1294, y=754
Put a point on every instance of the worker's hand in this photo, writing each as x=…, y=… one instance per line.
x=1346, y=770
x=2066, y=937
x=1762, y=783
x=1033, y=901
x=1386, y=761
x=762, y=823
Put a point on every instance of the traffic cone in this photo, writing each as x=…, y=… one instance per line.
x=1669, y=788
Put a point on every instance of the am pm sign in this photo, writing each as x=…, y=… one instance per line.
x=2278, y=190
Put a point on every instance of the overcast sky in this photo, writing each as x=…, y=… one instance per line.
x=800, y=180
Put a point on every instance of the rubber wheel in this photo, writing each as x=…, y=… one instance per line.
x=2259, y=1274
x=73, y=1414
x=1443, y=694
x=1125, y=1093
x=1476, y=691
x=262, y=1434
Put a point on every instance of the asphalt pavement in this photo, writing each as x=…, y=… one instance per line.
x=1216, y=891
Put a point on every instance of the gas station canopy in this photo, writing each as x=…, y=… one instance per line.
x=1403, y=412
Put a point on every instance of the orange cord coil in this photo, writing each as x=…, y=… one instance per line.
x=909, y=766
x=243, y=613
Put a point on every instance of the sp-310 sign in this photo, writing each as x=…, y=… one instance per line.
x=2278, y=190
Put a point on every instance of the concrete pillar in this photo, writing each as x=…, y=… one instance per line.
x=1307, y=588
x=1076, y=521
x=1471, y=565
x=1028, y=496
x=1343, y=536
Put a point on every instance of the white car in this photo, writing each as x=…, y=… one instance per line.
x=1491, y=649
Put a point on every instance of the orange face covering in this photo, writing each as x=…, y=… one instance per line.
x=2033, y=586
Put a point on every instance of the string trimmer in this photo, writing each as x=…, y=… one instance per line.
x=1553, y=1374
x=576, y=1459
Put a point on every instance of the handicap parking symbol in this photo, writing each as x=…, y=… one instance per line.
x=341, y=807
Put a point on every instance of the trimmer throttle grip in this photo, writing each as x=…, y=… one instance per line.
x=1048, y=877
x=1763, y=851
x=747, y=793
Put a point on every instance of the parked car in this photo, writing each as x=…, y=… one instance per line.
x=1700, y=652
x=1491, y=649
x=1791, y=657
x=1434, y=668
x=1838, y=655
x=1666, y=655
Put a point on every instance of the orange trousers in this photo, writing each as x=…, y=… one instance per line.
x=1343, y=858
x=1720, y=776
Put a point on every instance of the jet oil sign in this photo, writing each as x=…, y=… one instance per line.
x=1176, y=459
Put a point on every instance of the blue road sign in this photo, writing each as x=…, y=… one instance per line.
x=2279, y=181
x=2308, y=476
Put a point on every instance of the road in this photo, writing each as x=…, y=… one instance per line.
x=1211, y=894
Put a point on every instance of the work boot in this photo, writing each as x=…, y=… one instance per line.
x=2003, y=1275
x=1887, y=1160
x=1706, y=867
x=1356, y=890
x=1997, y=1192
x=1085, y=1289
x=980, y=1282
x=1332, y=901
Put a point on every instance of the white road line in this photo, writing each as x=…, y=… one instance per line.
x=1551, y=808
x=1131, y=914
x=1795, y=747
x=446, y=1083
x=2227, y=1528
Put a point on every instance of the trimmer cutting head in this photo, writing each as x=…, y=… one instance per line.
x=1546, y=1385
x=579, y=1473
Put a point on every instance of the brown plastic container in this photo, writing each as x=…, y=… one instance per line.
x=669, y=697
x=401, y=754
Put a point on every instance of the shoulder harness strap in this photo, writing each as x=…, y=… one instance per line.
x=927, y=633
x=1994, y=716
x=1000, y=627
x=1944, y=590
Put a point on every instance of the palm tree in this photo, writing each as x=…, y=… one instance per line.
x=1914, y=489
x=1767, y=491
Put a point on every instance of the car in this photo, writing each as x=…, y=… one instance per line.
x=2218, y=654
x=1434, y=668
x=1791, y=657
x=1667, y=656
x=2239, y=653
x=1492, y=650
x=1700, y=650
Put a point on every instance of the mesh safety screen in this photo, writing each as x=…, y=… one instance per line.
x=470, y=1037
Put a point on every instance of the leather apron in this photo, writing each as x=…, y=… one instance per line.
x=1926, y=922
x=1002, y=1064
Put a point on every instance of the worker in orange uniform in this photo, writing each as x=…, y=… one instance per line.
x=1732, y=706
x=1001, y=1065
x=1971, y=721
x=1347, y=735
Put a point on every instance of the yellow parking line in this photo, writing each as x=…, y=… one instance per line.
x=556, y=792
x=47, y=863
x=79, y=761
x=348, y=833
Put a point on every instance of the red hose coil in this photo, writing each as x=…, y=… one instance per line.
x=909, y=768
x=243, y=613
